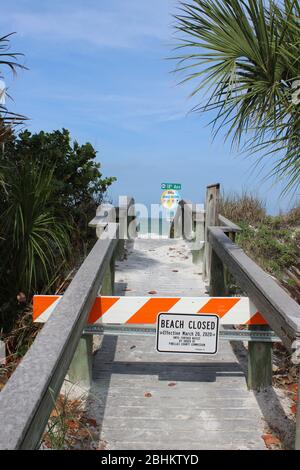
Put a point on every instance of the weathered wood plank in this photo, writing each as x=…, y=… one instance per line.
x=105, y=213
x=126, y=218
x=217, y=287
x=198, y=242
x=80, y=370
x=187, y=221
x=223, y=221
x=201, y=402
x=211, y=219
x=259, y=362
x=176, y=226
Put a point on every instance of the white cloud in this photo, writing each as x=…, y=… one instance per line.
x=92, y=25
x=131, y=112
x=121, y=24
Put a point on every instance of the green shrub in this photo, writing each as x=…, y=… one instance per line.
x=274, y=249
x=271, y=241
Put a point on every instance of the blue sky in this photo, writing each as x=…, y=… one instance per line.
x=99, y=69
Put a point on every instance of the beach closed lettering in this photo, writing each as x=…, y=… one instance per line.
x=191, y=324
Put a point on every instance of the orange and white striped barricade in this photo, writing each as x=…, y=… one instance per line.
x=138, y=315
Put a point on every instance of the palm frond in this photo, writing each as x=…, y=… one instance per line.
x=36, y=235
x=10, y=60
x=246, y=54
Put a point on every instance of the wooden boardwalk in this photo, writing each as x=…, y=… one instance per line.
x=163, y=266
x=141, y=399
x=146, y=400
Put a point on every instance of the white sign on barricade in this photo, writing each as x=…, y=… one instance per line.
x=182, y=333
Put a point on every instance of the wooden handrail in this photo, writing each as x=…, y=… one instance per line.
x=105, y=213
x=278, y=308
x=227, y=223
x=29, y=396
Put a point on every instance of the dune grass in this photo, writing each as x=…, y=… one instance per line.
x=272, y=241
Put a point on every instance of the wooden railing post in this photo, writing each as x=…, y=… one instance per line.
x=182, y=221
x=108, y=284
x=211, y=220
x=259, y=362
x=125, y=216
x=120, y=250
x=131, y=220
x=187, y=219
x=80, y=370
x=217, y=287
x=177, y=223
x=199, y=233
x=229, y=278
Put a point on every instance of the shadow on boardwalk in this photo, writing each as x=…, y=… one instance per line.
x=198, y=384
x=145, y=400
x=269, y=403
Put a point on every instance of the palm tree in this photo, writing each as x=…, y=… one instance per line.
x=8, y=60
x=246, y=55
x=34, y=230
x=8, y=120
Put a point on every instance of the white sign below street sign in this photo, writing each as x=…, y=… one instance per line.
x=183, y=333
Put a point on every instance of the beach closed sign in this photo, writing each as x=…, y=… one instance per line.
x=183, y=333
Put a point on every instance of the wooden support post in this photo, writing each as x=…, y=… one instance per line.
x=197, y=257
x=80, y=370
x=297, y=443
x=112, y=274
x=131, y=221
x=178, y=223
x=229, y=278
x=120, y=250
x=108, y=284
x=217, y=287
x=211, y=220
x=259, y=362
x=232, y=236
x=198, y=250
x=182, y=234
x=132, y=227
x=187, y=220
x=172, y=230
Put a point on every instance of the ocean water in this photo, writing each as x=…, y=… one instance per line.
x=154, y=226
